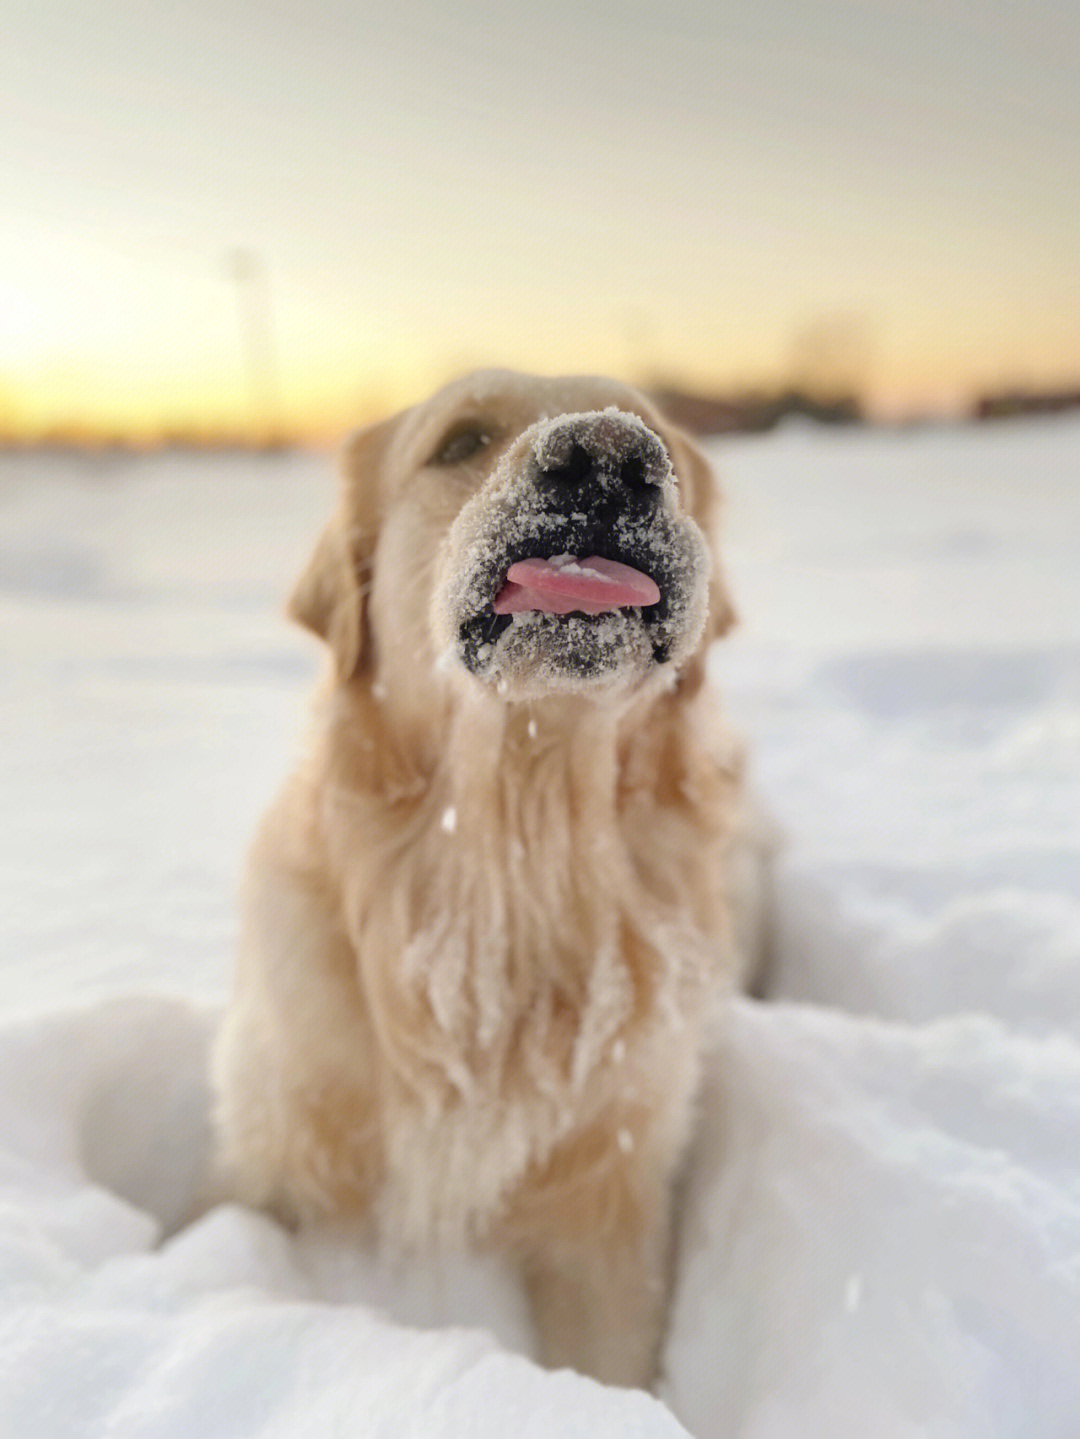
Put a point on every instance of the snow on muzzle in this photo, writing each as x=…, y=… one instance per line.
x=574, y=564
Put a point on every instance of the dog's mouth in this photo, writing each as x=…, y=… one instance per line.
x=564, y=585
x=577, y=616
x=575, y=570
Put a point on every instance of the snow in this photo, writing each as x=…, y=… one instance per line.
x=881, y=1226
x=571, y=566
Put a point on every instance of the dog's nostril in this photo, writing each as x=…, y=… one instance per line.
x=632, y=473
x=577, y=468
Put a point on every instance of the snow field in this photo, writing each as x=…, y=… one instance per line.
x=881, y=1227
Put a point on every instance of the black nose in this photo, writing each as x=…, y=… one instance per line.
x=583, y=455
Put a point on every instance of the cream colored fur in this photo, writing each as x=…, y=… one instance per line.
x=481, y=936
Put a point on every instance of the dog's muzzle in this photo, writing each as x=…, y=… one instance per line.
x=574, y=564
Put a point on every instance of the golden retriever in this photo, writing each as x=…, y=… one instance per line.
x=485, y=918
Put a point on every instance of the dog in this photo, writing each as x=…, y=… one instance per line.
x=486, y=918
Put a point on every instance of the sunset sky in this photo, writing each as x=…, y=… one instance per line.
x=680, y=192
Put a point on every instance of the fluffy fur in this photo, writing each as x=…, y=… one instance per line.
x=483, y=921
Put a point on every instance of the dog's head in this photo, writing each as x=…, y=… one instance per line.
x=521, y=536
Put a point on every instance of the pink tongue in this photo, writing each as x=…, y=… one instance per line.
x=565, y=583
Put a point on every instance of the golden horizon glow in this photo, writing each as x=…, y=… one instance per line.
x=117, y=398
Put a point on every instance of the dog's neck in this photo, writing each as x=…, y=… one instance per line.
x=499, y=754
x=476, y=752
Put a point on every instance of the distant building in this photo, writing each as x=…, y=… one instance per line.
x=753, y=413
x=1023, y=402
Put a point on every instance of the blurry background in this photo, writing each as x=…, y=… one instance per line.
x=223, y=221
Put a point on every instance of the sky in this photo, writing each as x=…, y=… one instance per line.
x=217, y=216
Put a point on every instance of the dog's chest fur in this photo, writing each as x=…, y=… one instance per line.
x=521, y=967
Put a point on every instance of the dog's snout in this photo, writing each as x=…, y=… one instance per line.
x=581, y=452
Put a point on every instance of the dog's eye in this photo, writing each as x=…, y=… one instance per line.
x=461, y=444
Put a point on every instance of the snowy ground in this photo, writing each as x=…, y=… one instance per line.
x=882, y=1229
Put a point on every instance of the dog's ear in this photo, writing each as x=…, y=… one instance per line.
x=701, y=498
x=330, y=597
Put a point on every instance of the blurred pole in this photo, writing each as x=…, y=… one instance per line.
x=247, y=270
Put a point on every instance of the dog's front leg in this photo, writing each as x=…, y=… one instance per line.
x=600, y=1300
x=296, y=1109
